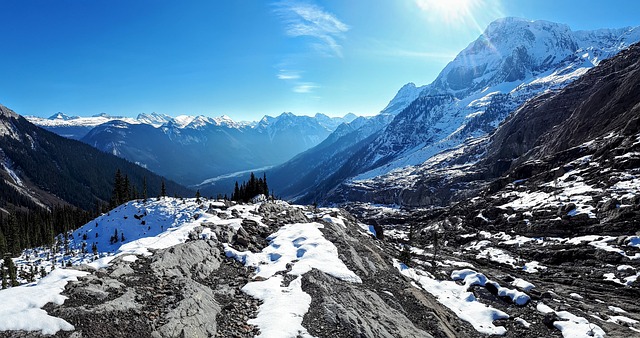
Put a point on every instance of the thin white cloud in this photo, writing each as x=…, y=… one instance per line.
x=305, y=87
x=397, y=49
x=288, y=75
x=306, y=19
x=420, y=54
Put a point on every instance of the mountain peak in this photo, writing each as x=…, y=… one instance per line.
x=401, y=100
x=348, y=117
x=514, y=49
x=60, y=116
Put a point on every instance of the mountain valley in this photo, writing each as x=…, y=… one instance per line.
x=502, y=199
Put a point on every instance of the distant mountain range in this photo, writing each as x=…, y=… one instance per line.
x=378, y=159
x=197, y=150
x=381, y=161
x=40, y=169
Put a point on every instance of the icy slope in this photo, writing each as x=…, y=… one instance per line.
x=512, y=62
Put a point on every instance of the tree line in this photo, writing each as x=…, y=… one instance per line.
x=21, y=229
x=34, y=226
x=245, y=191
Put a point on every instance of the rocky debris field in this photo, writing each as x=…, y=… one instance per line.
x=206, y=286
x=548, y=286
x=275, y=269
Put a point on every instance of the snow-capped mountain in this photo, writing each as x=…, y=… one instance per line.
x=176, y=146
x=513, y=61
x=403, y=98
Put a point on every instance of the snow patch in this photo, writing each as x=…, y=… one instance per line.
x=301, y=247
x=283, y=307
x=571, y=325
x=456, y=297
x=22, y=305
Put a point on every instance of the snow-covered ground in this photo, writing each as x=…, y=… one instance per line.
x=458, y=299
x=138, y=228
x=21, y=306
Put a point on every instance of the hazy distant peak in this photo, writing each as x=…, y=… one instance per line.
x=60, y=116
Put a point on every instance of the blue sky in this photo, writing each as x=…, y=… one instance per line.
x=247, y=58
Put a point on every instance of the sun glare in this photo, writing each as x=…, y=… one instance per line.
x=459, y=13
x=450, y=11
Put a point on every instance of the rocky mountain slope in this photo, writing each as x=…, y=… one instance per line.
x=553, y=203
x=554, y=125
x=228, y=270
x=210, y=268
x=174, y=147
x=513, y=61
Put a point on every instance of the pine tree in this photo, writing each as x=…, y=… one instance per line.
x=13, y=273
x=265, y=188
x=163, y=189
x=144, y=188
x=126, y=190
x=3, y=244
x=13, y=239
x=250, y=189
x=4, y=276
x=134, y=193
x=116, y=195
x=236, y=193
x=198, y=196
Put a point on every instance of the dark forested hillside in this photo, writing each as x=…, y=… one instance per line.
x=54, y=168
x=50, y=185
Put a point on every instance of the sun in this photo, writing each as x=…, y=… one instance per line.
x=452, y=12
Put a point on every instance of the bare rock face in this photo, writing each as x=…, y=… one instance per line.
x=196, y=260
x=166, y=295
x=345, y=310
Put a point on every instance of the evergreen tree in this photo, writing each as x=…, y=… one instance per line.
x=265, y=187
x=163, y=189
x=116, y=195
x=134, y=193
x=3, y=243
x=12, y=270
x=126, y=189
x=236, y=192
x=198, y=196
x=248, y=190
x=4, y=277
x=13, y=241
x=144, y=188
